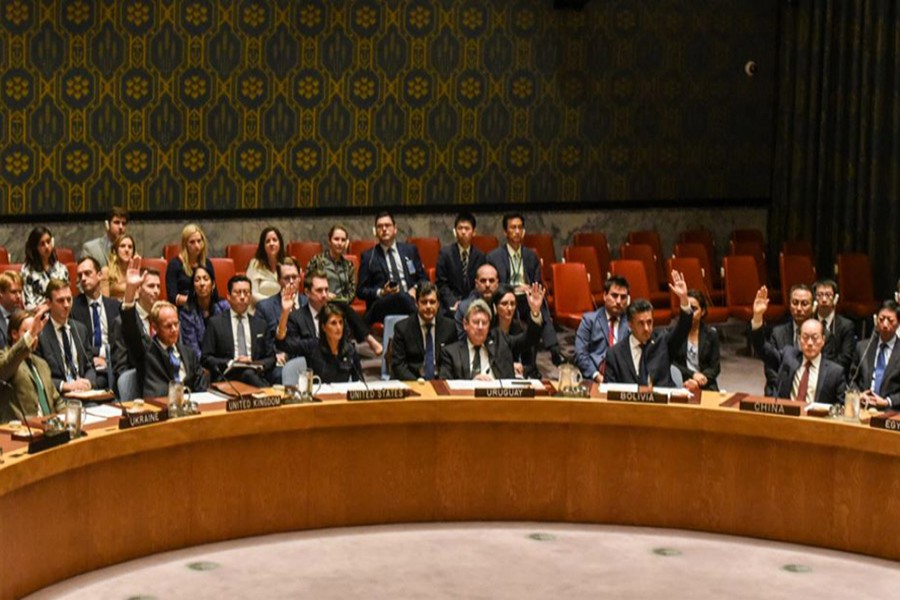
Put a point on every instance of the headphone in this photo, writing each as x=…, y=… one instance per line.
x=106, y=224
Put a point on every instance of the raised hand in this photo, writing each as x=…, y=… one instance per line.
x=39, y=321
x=133, y=275
x=535, y=293
x=679, y=287
x=761, y=302
x=287, y=299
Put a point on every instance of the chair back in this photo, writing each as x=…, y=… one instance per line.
x=795, y=269
x=389, y=322
x=485, y=243
x=429, y=248
x=241, y=255
x=598, y=241
x=643, y=253
x=577, y=300
x=225, y=270
x=587, y=255
x=302, y=252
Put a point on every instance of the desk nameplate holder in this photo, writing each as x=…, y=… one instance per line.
x=158, y=414
x=379, y=394
x=505, y=392
x=889, y=420
x=253, y=401
x=34, y=431
x=772, y=406
x=642, y=396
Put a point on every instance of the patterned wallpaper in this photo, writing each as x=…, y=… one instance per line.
x=216, y=105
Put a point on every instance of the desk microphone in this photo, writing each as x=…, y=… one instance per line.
x=231, y=385
x=855, y=372
x=15, y=397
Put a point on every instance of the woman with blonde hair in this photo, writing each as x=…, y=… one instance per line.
x=123, y=249
x=180, y=271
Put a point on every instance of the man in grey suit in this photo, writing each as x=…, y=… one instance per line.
x=877, y=370
x=115, y=225
x=10, y=300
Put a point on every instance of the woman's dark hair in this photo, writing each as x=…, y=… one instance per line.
x=502, y=290
x=700, y=298
x=32, y=258
x=331, y=309
x=192, y=294
x=261, y=257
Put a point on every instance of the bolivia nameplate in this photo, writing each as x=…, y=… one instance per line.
x=514, y=392
x=128, y=420
x=252, y=402
x=889, y=420
x=787, y=408
x=647, y=397
x=378, y=394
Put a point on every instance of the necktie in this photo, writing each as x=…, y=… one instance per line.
x=612, y=332
x=67, y=351
x=476, y=361
x=241, y=336
x=804, y=383
x=39, y=386
x=880, y=364
x=176, y=364
x=395, y=268
x=464, y=257
x=95, y=318
x=516, y=268
x=643, y=376
x=429, y=353
x=316, y=324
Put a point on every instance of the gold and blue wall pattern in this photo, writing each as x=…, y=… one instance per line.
x=218, y=105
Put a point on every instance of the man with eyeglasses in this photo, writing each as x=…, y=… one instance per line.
x=788, y=334
x=803, y=373
x=840, y=336
x=601, y=329
x=486, y=283
x=877, y=371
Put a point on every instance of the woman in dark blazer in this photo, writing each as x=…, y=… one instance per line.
x=698, y=359
x=332, y=357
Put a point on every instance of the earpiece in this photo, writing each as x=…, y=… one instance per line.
x=106, y=224
x=374, y=231
x=837, y=298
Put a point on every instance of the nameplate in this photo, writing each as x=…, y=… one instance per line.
x=640, y=397
x=379, y=394
x=252, y=402
x=888, y=420
x=788, y=408
x=514, y=392
x=129, y=420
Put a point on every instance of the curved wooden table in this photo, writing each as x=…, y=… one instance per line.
x=119, y=495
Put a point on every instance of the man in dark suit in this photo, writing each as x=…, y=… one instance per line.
x=840, y=334
x=519, y=267
x=487, y=353
x=270, y=308
x=420, y=339
x=30, y=386
x=65, y=344
x=457, y=264
x=643, y=356
x=803, y=373
x=298, y=324
x=389, y=273
x=235, y=344
x=787, y=334
x=146, y=296
x=10, y=300
x=97, y=313
x=486, y=283
x=877, y=370
x=595, y=337
x=162, y=358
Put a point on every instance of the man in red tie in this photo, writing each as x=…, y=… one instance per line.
x=601, y=329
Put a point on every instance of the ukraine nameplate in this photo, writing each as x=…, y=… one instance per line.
x=129, y=420
x=787, y=408
x=252, y=402
x=515, y=392
x=378, y=394
x=641, y=397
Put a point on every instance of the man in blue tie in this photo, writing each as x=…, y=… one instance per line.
x=97, y=313
x=878, y=364
x=65, y=344
x=418, y=339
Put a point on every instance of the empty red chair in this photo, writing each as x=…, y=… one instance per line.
x=303, y=251
x=225, y=270
x=587, y=256
x=748, y=235
x=73, y=277
x=795, y=269
x=652, y=239
x=854, y=273
x=794, y=247
x=65, y=255
x=741, y=285
x=4, y=256
x=635, y=272
x=751, y=248
x=693, y=277
x=700, y=252
x=542, y=244
x=170, y=251
x=160, y=265
x=357, y=305
x=570, y=306
x=645, y=254
x=429, y=248
x=17, y=267
x=485, y=243
x=358, y=247
x=597, y=240
x=241, y=254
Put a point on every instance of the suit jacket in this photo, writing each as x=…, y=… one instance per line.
x=119, y=355
x=707, y=356
x=300, y=326
x=98, y=248
x=501, y=348
x=592, y=340
x=454, y=285
x=865, y=369
x=50, y=350
x=218, y=344
x=658, y=354
x=408, y=347
x=4, y=330
x=374, y=271
x=830, y=385
x=81, y=312
x=151, y=360
x=531, y=264
x=782, y=337
x=20, y=393
x=840, y=342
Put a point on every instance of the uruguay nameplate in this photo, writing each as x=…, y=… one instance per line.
x=129, y=420
x=640, y=397
x=889, y=420
x=513, y=392
x=378, y=394
x=787, y=408
x=252, y=402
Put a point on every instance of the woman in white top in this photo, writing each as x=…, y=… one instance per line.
x=263, y=268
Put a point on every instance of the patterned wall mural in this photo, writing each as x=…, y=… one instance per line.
x=171, y=105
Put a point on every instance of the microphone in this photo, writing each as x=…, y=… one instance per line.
x=856, y=370
x=356, y=369
x=221, y=377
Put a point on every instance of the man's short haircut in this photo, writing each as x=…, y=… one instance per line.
x=817, y=322
x=616, y=280
x=235, y=279
x=16, y=319
x=801, y=287
x=157, y=308
x=384, y=213
x=8, y=279
x=510, y=216
x=92, y=260
x=890, y=305
x=117, y=211
x=478, y=305
x=465, y=217
x=425, y=289
x=826, y=283
x=154, y=271
x=288, y=260
x=486, y=265
x=54, y=286
x=641, y=305
x=308, y=282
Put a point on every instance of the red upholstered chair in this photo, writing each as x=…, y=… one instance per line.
x=795, y=247
x=429, y=248
x=587, y=256
x=635, y=272
x=700, y=252
x=160, y=265
x=570, y=306
x=357, y=247
x=357, y=305
x=748, y=235
x=644, y=253
x=699, y=236
x=542, y=244
x=170, y=251
x=4, y=256
x=795, y=269
x=652, y=239
x=240, y=254
x=73, y=277
x=225, y=270
x=17, y=267
x=741, y=285
x=485, y=243
x=303, y=251
x=65, y=255
x=854, y=274
x=598, y=241
x=693, y=276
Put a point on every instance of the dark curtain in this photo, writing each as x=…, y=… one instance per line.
x=837, y=155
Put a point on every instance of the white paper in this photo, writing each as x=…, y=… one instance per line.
x=90, y=419
x=343, y=388
x=206, y=397
x=477, y=384
x=618, y=387
x=104, y=411
x=672, y=391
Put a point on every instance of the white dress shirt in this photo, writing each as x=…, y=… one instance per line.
x=813, y=379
